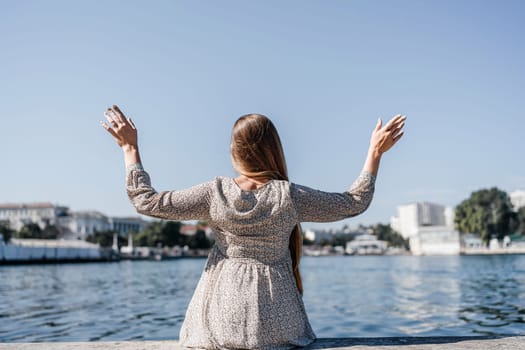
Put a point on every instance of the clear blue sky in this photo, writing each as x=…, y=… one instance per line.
x=323, y=71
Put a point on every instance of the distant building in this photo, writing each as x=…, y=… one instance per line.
x=471, y=241
x=319, y=235
x=518, y=199
x=429, y=228
x=435, y=240
x=71, y=224
x=124, y=225
x=42, y=214
x=410, y=217
x=81, y=224
x=366, y=244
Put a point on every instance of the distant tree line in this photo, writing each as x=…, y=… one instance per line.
x=156, y=234
x=30, y=230
x=167, y=234
x=489, y=213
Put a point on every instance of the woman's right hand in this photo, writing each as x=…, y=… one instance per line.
x=384, y=137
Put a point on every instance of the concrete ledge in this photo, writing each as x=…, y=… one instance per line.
x=390, y=343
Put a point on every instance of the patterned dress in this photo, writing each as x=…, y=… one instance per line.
x=247, y=297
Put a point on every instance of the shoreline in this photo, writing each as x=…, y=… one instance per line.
x=113, y=260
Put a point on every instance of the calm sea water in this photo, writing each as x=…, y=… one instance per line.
x=345, y=296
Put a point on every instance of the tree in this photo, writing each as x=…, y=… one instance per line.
x=386, y=233
x=487, y=212
x=6, y=232
x=30, y=230
x=199, y=241
x=520, y=219
x=307, y=241
x=50, y=232
x=171, y=236
x=105, y=238
x=151, y=235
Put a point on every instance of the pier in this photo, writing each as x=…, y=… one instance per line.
x=391, y=343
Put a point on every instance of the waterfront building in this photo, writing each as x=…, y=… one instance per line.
x=471, y=241
x=366, y=244
x=48, y=249
x=42, y=214
x=435, y=240
x=125, y=225
x=429, y=228
x=518, y=199
x=71, y=224
x=81, y=224
x=317, y=236
x=411, y=217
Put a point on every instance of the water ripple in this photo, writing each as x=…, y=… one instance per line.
x=344, y=296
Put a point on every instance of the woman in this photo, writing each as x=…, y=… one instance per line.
x=250, y=293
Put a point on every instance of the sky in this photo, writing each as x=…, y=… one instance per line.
x=323, y=71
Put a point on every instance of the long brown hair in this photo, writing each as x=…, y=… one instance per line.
x=257, y=153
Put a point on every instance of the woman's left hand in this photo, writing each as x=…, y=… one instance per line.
x=121, y=128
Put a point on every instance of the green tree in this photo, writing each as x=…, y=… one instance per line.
x=50, y=232
x=105, y=239
x=340, y=239
x=199, y=241
x=30, y=230
x=171, y=236
x=307, y=241
x=151, y=236
x=520, y=219
x=486, y=212
x=6, y=232
x=386, y=233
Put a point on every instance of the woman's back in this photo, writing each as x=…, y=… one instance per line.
x=247, y=296
x=250, y=293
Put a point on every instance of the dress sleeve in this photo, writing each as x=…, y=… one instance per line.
x=318, y=206
x=189, y=204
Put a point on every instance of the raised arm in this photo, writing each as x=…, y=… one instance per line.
x=319, y=206
x=187, y=204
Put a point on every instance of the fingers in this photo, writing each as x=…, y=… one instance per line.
x=110, y=119
x=398, y=136
x=395, y=121
x=119, y=115
x=114, y=115
x=379, y=124
x=110, y=130
x=131, y=123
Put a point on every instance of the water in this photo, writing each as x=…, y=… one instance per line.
x=369, y=296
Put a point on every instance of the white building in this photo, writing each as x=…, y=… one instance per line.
x=410, y=217
x=435, y=240
x=75, y=225
x=518, y=199
x=123, y=225
x=366, y=244
x=328, y=234
x=81, y=224
x=42, y=214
